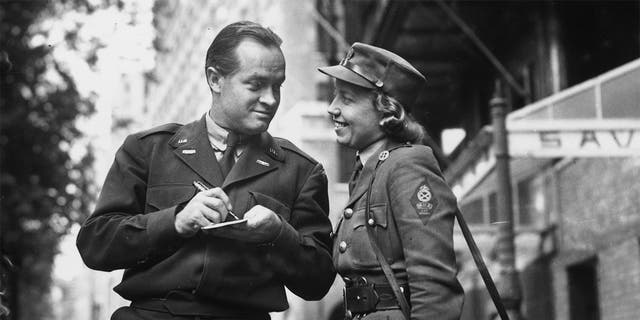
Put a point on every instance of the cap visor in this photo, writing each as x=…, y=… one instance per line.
x=344, y=74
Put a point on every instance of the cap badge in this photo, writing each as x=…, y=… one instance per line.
x=350, y=54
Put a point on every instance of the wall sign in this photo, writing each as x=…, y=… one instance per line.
x=574, y=138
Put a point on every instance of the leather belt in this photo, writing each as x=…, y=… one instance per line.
x=361, y=297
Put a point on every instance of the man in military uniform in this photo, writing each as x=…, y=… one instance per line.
x=170, y=186
x=394, y=242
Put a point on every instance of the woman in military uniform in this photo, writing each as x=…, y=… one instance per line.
x=394, y=241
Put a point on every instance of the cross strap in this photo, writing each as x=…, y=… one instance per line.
x=482, y=268
x=388, y=273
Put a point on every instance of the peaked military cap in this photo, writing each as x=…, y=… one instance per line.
x=376, y=68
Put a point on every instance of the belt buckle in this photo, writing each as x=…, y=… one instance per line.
x=361, y=297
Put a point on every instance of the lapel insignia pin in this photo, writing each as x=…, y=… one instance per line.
x=189, y=151
x=182, y=141
x=264, y=163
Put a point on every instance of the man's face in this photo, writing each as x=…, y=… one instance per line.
x=246, y=100
x=356, y=121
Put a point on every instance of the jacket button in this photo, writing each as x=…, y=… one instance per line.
x=348, y=213
x=342, y=247
x=371, y=222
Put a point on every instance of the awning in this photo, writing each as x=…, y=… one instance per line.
x=597, y=118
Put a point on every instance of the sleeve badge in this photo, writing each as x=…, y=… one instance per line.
x=424, y=201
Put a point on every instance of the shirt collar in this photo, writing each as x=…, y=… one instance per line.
x=217, y=135
x=369, y=151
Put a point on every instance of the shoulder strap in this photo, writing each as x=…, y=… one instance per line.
x=388, y=273
x=482, y=268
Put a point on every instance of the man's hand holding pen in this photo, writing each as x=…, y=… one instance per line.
x=202, y=187
x=206, y=207
x=211, y=206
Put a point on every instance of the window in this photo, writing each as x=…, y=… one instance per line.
x=525, y=202
x=493, y=208
x=472, y=211
x=532, y=201
x=534, y=197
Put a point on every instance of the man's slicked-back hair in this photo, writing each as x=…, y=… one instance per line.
x=221, y=53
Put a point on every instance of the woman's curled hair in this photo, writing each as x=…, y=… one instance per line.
x=396, y=122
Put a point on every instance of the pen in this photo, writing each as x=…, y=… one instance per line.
x=202, y=187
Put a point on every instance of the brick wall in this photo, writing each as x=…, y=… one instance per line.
x=597, y=196
x=600, y=217
x=619, y=281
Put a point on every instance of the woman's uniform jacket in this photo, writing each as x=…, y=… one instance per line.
x=413, y=210
x=132, y=226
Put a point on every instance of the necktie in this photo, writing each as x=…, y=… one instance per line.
x=357, y=168
x=229, y=156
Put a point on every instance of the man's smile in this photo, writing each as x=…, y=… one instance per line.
x=264, y=113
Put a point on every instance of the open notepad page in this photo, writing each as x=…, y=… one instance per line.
x=224, y=224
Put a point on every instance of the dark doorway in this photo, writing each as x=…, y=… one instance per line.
x=583, y=291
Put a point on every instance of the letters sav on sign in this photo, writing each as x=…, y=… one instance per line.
x=609, y=140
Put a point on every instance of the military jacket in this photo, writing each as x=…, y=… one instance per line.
x=132, y=227
x=412, y=214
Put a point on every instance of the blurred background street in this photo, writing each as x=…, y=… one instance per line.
x=78, y=76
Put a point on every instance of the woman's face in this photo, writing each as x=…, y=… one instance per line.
x=355, y=118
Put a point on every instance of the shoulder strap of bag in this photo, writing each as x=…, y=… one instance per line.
x=482, y=268
x=388, y=273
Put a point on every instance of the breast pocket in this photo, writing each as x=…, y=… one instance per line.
x=360, y=249
x=270, y=203
x=165, y=196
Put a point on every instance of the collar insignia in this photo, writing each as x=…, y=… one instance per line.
x=383, y=155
